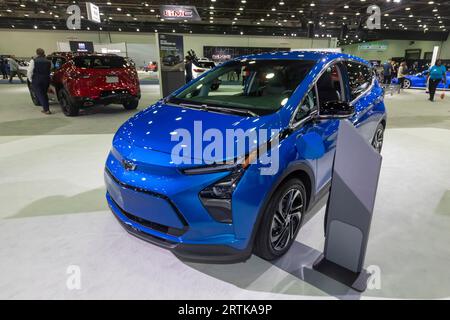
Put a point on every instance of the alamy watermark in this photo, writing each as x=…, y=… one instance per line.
x=236, y=146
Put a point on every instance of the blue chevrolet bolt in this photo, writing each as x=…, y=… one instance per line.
x=225, y=211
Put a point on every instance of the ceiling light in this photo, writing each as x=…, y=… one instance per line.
x=138, y=30
x=35, y=26
x=346, y=6
x=108, y=3
x=8, y=10
x=22, y=5
x=119, y=9
x=312, y=4
x=407, y=9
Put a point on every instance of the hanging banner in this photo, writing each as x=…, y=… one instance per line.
x=373, y=46
x=93, y=12
x=174, y=12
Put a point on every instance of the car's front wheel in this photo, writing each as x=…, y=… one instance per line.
x=406, y=84
x=281, y=220
x=378, y=138
x=131, y=105
x=69, y=108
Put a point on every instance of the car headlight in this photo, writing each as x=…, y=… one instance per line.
x=217, y=197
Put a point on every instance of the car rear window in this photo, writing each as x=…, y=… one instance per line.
x=98, y=62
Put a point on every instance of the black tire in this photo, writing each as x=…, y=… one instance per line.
x=33, y=95
x=215, y=86
x=378, y=138
x=69, y=108
x=272, y=229
x=131, y=105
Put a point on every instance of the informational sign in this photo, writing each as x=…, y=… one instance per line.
x=171, y=50
x=174, y=12
x=81, y=46
x=221, y=54
x=350, y=208
x=93, y=12
x=373, y=46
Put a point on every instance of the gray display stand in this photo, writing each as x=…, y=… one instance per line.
x=350, y=206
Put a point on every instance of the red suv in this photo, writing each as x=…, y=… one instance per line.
x=84, y=80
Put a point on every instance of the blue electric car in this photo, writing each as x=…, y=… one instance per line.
x=224, y=210
x=419, y=81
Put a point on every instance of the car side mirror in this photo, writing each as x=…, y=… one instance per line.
x=335, y=110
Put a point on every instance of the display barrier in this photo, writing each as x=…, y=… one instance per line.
x=350, y=206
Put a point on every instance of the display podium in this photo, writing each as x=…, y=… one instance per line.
x=349, y=210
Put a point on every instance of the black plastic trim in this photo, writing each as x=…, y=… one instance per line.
x=154, y=194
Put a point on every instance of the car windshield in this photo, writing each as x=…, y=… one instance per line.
x=259, y=86
x=100, y=62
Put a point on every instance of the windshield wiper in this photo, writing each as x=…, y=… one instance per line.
x=234, y=110
x=206, y=107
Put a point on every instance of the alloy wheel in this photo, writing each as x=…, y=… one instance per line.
x=287, y=219
x=378, y=139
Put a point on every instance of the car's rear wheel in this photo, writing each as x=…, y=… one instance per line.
x=281, y=220
x=69, y=108
x=378, y=138
x=33, y=95
x=131, y=105
x=406, y=84
x=215, y=86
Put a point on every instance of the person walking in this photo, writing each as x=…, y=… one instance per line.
x=387, y=72
x=436, y=74
x=14, y=69
x=39, y=76
x=3, y=64
x=188, y=68
x=402, y=72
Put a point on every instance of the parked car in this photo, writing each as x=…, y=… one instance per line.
x=201, y=66
x=224, y=210
x=84, y=80
x=152, y=66
x=419, y=80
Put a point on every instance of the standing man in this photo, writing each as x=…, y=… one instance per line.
x=436, y=75
x=402, y=72
x=3, y=72
x=39, y=76
x=188, y=68
x=387, y=72
x=14, y=69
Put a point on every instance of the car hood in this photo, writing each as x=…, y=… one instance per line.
x=162, y=127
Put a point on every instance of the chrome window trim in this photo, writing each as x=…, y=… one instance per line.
x=295, y=125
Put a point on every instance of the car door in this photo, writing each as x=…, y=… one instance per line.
x=364, y=96
x=329, y=87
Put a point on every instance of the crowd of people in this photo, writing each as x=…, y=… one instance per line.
x=436, y=74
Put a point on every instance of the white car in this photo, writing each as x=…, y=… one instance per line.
x=202, y=65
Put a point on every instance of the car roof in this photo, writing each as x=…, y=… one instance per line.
x=303, y=55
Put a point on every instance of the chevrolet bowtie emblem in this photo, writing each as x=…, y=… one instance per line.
x=128, y=165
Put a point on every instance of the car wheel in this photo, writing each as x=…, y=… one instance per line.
x=378, y=137
x=406, y=84
x=33, y=95
x=67, y=106
x=131, y=105
x=281, y=220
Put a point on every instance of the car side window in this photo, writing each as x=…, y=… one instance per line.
x=330, y=86
x=309, y=104
x=359, y=78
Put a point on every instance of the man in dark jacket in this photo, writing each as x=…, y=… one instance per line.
x=39, y=76
x=188, y=68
